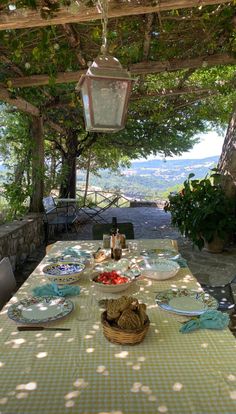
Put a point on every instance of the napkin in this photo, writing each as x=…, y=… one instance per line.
x=70, y=251
x=211, y=319
x=181, y=262
x=52, y=289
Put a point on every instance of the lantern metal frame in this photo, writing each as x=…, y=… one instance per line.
x=104, y=67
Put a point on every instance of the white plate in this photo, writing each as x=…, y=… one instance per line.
x=185, y=301
x=40, y=309
x=158, y=269
x=161, y=254
x=121, y=265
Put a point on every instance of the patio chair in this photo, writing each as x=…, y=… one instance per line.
x=7, y=281
x=124, y=228
x=57, y=216
x=94, y=213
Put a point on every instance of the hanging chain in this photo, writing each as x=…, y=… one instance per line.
x=103, y=7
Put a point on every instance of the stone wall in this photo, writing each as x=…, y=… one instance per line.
x=21, y=237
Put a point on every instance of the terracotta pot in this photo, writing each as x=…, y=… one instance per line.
x=215, y=246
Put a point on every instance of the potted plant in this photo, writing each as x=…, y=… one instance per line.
x=202, y=212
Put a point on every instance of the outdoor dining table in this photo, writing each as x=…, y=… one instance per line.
x=80, y=371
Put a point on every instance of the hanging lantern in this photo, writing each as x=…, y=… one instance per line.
x=105, y=89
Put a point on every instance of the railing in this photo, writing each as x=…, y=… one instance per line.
x=102, y=198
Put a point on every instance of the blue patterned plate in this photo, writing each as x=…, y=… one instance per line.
x=63, y=273
x=40, y=310
x=185, y=301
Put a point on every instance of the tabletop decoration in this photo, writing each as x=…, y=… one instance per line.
x=40, y=309
x=63, y=273
x=52, y=289
x=185, y=301
x=211, y=319
x=125, y=320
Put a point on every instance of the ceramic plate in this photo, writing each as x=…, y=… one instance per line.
x=161, y=253
x=185, y=301
x=121, y=265
x=40, y=310
x=158, y=269
x=62, y=273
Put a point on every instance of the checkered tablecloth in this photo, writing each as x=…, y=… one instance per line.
x=79, y=371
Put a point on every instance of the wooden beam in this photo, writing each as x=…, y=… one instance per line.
x=179, y=64
x=136, y=69
x=19, y=103
x=39, y=80
x=32, y=18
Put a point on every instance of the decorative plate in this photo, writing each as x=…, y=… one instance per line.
x=63, y=273
x=161, y=254
x=185, y=301
x=158, y=269
x=40, y=309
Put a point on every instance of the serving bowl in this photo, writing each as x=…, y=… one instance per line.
x=114, y=288
x=64, y=273
x=158, y=269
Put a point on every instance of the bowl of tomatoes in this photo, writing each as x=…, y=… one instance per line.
x=113, y=281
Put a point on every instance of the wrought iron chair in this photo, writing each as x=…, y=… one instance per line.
x=58, y=216
x=94, y=213
x=7, y=281
x=124, y=228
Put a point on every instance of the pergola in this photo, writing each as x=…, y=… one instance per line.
x=148, y=37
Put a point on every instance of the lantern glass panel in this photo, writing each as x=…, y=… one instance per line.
x=108, y=101
x=85, y=98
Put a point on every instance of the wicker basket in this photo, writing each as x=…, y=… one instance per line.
x=120, y=336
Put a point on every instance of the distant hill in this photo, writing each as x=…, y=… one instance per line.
x=152, y=178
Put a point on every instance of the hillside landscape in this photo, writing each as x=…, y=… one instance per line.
x=151, y=179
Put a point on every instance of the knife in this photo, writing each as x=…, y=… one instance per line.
x=40, y=328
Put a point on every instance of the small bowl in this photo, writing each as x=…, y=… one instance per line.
x=158, y=269
x=114, y=288
x=63, y=273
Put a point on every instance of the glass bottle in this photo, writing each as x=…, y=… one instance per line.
x=113, y=232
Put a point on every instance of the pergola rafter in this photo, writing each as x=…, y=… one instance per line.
x=31, y=18
x=137, y=69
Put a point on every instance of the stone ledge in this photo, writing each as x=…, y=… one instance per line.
x=144, y=203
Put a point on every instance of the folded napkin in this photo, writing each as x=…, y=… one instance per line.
x=52, y=289
x=181, y=262
x=71, y=251
x=211, y=319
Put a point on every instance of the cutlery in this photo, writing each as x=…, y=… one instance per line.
x=40, y=328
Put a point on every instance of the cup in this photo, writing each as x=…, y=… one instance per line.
x=132, y=246
x=106, y=241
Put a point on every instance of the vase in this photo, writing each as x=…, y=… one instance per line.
x=214, y=246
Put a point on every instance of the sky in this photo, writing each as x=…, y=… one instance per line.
x=209, y=146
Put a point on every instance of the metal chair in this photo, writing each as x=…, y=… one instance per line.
x=124, y=228
x=94, y=213
x=56, y=216
x=7, y=281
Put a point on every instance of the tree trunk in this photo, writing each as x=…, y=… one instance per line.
x=68, y=185
x=37, y=164
x=227, y=161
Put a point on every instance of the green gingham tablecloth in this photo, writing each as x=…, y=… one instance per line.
x=79, y=371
